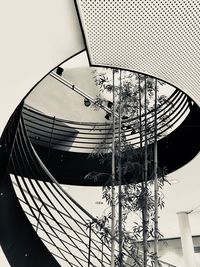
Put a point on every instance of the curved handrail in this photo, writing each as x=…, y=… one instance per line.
x=65, y=136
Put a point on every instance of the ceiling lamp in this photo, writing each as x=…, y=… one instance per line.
x=59, y=71
x=87, y=102
x=108, y=115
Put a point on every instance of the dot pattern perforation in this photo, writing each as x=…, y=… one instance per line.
x=157, y=37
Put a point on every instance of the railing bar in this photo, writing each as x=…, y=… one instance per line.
x=47, y=185
x=50, y=202
x=23, y=149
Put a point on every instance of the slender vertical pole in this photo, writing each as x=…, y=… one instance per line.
x=140, y=118
x=120, y=180
x=38, y=218
x=142, y=169
x=155, y=181
x=50, y=140
x=102, y=254
x=89, y=248
x=145, y=222
x=113, y=182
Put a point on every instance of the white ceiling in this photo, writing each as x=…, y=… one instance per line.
x=36, y=36
x=159, y=38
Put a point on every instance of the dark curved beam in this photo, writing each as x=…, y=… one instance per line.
x=20, y=243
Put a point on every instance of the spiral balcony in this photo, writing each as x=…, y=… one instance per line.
x=41, y=224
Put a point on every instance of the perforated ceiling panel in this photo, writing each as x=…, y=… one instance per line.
x=157, y=37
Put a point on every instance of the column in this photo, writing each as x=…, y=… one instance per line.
x=186, y=239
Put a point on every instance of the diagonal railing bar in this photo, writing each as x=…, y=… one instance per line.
x=38, y=196
x=52, y=227
x=29, y=214
x=69, y=196
x=44, y=230
x=46, y=195
x=8, y=139
x=48, y=210
x=14, y=161
x=24, y=157
x=85, y=222
x=95, y=242
x=21, y=200
x=35, y=203
x=80, y=239
x=48, y=217
x=65, y=192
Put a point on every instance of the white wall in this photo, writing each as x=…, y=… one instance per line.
x=171, y=251
x=36, y=36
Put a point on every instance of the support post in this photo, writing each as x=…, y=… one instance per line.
x=186, y=239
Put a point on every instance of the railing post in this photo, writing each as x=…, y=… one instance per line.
x=38, y=218
x=102, y=253
x=89, y=247
x=51, y=136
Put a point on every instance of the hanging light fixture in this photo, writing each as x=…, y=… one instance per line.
x=108, y=115
x=110, y=104
x=87, y=102
x=59, y=71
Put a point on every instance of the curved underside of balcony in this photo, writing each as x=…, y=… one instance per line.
x=42, y=224
x=67, y=147
x=175, y=150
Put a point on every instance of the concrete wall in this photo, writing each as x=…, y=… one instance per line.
x=170, y=250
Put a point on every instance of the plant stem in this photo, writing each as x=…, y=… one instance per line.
x=113, y=181
x=120, y=180
x=156, y=181
x=142, y=173
x=145, y=225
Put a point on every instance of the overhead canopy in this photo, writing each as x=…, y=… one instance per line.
x=158, y=38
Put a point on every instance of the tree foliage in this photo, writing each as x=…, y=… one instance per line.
x=134, y=196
